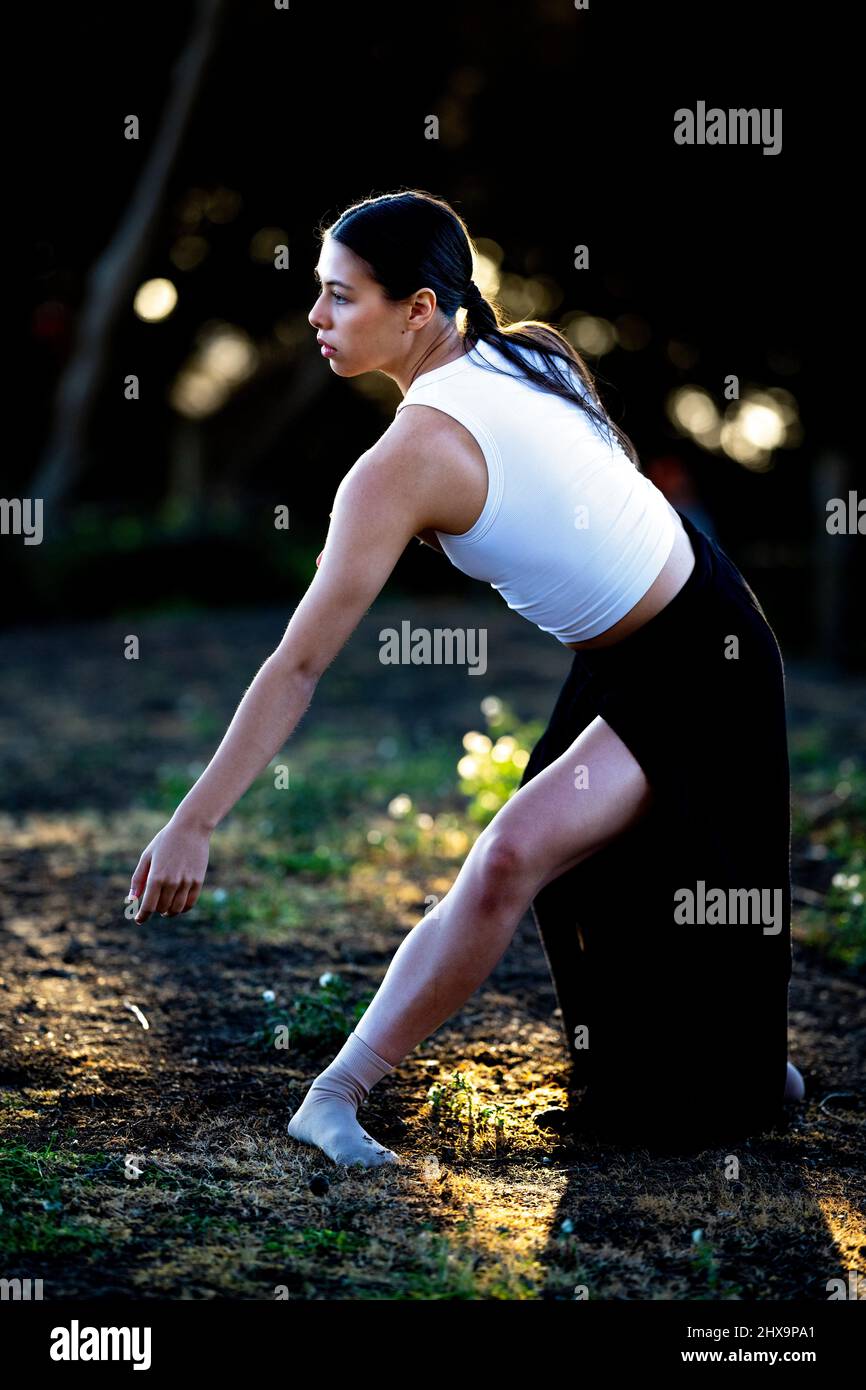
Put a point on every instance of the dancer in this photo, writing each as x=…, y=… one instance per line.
x=502, y=456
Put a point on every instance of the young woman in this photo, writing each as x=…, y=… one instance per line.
x=662, y=778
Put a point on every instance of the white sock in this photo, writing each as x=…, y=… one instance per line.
x=795, y=1087
x=326, y=1117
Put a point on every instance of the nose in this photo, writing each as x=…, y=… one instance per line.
x=313, y=317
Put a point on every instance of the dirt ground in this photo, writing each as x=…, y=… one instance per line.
x=152, y=1161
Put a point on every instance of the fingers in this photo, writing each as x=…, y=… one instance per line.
x=168, y=900
x=157, y=898
x=193, y=897
x=178, y=902
x=139, y=877
x=149, y=903
x=159, y=887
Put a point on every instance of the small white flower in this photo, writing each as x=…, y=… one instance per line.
x=219, y=895
x=268, y=996
x=567, y=1226
x=327, y=979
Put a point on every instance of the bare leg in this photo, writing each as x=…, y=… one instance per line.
x=547, y=827
x=450, y=952
x=435, y=969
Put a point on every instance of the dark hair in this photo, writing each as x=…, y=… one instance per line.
x=411, y=238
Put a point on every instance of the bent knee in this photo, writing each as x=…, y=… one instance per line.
x=502, y=862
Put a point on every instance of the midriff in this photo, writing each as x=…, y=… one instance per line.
x=666, y=585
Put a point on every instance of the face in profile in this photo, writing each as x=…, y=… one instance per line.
x=362, y=328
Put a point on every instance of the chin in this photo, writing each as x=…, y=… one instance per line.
x=339, y=368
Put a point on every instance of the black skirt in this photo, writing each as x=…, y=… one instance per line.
x=672, y=978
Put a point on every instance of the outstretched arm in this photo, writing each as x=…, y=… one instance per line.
x=375, y=515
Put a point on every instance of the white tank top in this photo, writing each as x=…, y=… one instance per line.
x=572, y=534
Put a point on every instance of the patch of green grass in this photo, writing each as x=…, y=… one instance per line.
x=32, y=1221
x=313, y=1241
x=260, y=911
x=44, y=1234
x=711, y=1285
x=197, y=1225
x=314, y=1019
x=326, y=788
x=320, y=862
x=40, y=1172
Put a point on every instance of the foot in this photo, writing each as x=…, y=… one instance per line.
x=331, y=1125
x=795, y=1087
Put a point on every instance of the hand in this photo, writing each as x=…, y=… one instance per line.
x=170, y=873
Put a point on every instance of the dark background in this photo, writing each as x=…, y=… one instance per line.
x=556, y=128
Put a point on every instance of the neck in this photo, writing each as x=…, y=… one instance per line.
x=446, y=347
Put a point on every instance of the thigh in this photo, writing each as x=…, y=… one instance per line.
x=585, y=798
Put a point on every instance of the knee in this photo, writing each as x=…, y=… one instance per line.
x=502, y=864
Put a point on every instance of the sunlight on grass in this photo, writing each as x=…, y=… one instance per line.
x=506, y=1232
x=319, y=880
x=847, y=1229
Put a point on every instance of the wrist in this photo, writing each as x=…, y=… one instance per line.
x=189, y=818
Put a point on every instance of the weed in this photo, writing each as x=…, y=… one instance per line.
x=315, y=1019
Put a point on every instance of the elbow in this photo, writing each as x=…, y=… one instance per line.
x=297, y=669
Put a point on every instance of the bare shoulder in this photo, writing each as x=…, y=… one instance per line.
x=394, y=482
x=430, y=430
x=441, y=461
x=417, y=440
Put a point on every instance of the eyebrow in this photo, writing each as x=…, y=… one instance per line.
x=341, y=283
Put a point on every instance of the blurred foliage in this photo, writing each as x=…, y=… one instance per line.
x=828, y=817
x=491, y=769
x=105, y=561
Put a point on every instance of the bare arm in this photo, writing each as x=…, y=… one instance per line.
x=375, y=516
x=268, y=713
